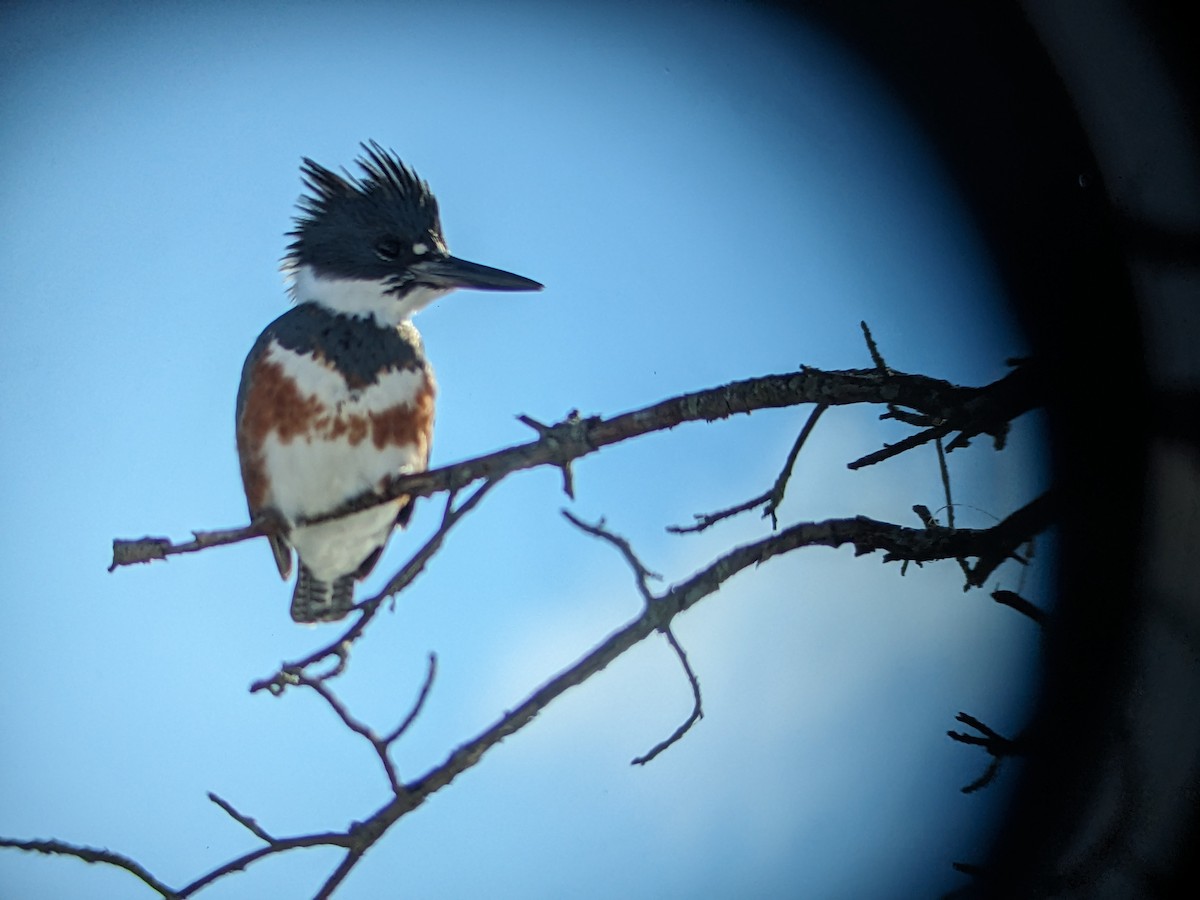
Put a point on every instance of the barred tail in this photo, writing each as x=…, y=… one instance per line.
x=321, y=601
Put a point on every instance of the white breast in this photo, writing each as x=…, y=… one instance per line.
x=311, y=476
x=314, y=474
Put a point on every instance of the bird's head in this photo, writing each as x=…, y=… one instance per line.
x=373, y=245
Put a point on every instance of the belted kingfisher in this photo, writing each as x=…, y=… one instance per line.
x=336, y=394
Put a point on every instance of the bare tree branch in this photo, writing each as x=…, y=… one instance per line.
x=945, y=473
x=989, y=546
x=339, y=874
x=938, y=408
x=867, y=535
x=340, y=647
x=937, y=432
x=969, y=411
x=1031, y=519
x=641, y=574
x=92, y=855
x=280, y=845
x=944, y=470
x=148, y=549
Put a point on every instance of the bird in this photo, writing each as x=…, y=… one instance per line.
x=337, y=395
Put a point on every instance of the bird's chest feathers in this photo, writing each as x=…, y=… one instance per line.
x=334, y=433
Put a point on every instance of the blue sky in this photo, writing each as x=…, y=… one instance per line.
x=708, y=193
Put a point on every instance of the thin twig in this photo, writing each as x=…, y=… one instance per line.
x=1021, y=605
x=697, y=707
x=281, y=845
x=902, y=446
x=394, y=735
x=780, y=486
x=245, y=821
x=893, y=411
x=380, y=744
x=416, y=563
x=772, y=498
x=997, y=746
x=360, y=728
x=340, y=647
x=873, y=348
x=704, y=521
x=945, y=471
x=640, y=572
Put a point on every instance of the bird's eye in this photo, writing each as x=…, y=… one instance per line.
x=388, y=249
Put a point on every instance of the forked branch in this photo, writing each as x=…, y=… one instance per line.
x=996, y=745
x=770, y=499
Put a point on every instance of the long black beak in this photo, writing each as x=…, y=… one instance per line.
x=452, y=272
